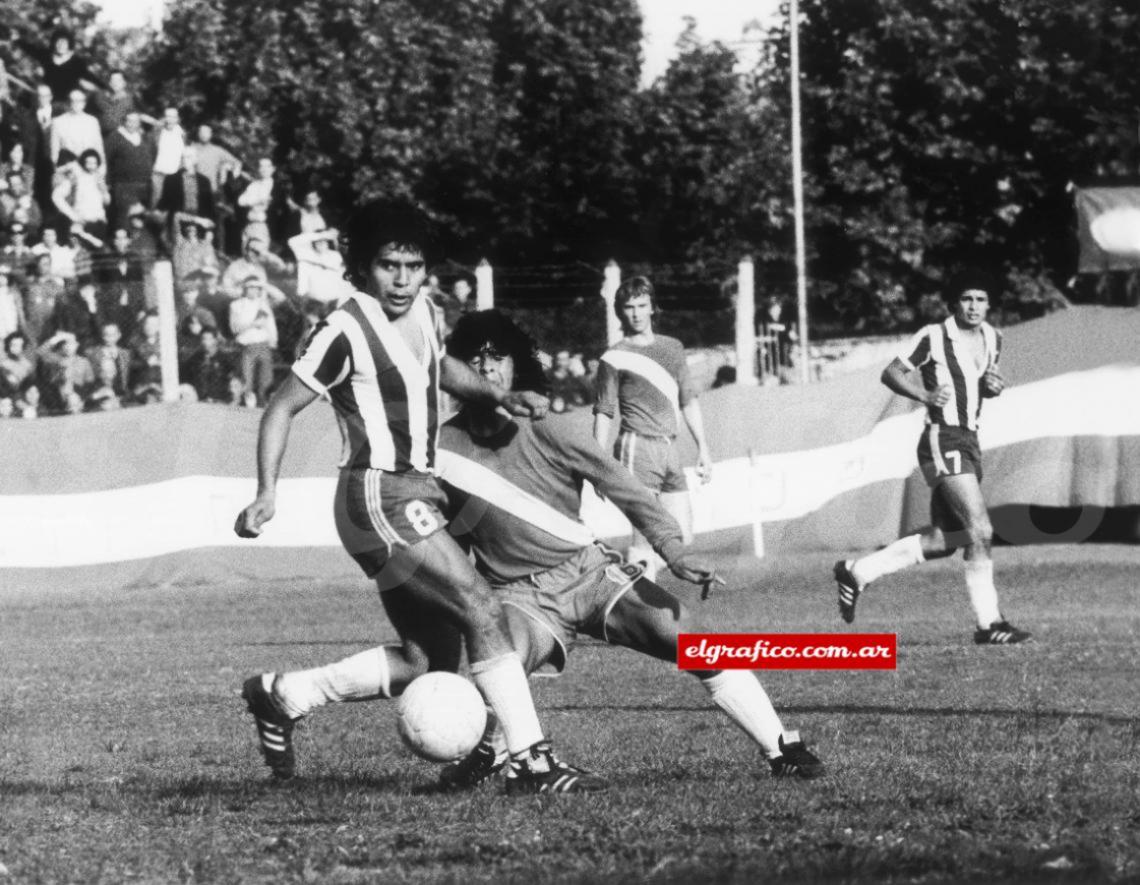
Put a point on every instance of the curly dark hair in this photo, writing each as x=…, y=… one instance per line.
x=474, y=331
x=379, y=224
x=967, y=278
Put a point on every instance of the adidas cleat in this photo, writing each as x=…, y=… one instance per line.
x=796, y=760
x=477, y=767
x=849, y=590
x=537, y=770
x=274, y=728
x=1000, y=633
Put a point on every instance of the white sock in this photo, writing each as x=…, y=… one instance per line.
x=983, y=594
x=504, y=686
x=893, y=558
x=743, y=698
x=362, y=677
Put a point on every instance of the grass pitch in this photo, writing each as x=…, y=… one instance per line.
x=126, y=754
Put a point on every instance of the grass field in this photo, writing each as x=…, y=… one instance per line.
x=126, y=754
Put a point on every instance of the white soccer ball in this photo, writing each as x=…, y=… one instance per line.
x=441, y=716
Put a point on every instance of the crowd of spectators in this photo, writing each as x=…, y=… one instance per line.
x=92, y=192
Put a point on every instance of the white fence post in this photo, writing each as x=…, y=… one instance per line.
x=163, y=275
x=610, y=282
x=484, y=285
x=746, y=322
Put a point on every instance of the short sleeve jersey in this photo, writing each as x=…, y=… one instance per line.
x=646, y=385
x=389, y=399
x=939, y=353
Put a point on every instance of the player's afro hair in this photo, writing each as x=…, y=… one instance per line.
x=474, y=331
x=967, y=278
x=381, y=223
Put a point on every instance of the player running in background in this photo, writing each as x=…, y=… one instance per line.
x=377, y=358
x=644, y=380
x=515, y=488
x=956, y=362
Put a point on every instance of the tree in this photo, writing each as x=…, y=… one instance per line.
x=943, y=131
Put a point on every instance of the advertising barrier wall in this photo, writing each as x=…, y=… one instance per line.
x=149, y=495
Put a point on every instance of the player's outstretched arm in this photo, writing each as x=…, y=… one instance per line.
x=692, y=414
x=696, y=571
x=463, y=382
x=291, y=397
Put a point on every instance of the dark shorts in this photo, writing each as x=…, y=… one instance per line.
x=574, y=597
x=378, y=512
x=653, y=460
x=948, y=451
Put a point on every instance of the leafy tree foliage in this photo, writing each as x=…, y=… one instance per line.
x=947, y=130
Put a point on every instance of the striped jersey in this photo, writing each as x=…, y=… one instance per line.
x=388, y=398
x=516, y=495
x=647, y=385
x=939, y=352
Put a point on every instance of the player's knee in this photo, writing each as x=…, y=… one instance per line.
x=981, y=532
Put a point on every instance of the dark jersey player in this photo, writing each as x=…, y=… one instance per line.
x=950, y=368
x=515, y=489
x=378, y=359
x=643, y=383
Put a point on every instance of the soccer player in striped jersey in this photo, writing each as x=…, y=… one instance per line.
x=644, y=381
x=515, y=489
x=377, y=358
x=949, y=367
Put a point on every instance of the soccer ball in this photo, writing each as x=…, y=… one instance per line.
x=441, y=716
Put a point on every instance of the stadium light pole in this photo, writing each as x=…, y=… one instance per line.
x=798, y=186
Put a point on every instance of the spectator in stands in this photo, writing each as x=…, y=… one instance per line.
x=146, y=362
x=41, y=295
x=65, y=377
x=37, y=147
x=220, y=167
x=11, y=121
x=255, y=333
x=17, y=255
x=194, y=254
x=18, y=207
x=566, y=389
x=320, y=271
x=17, y=164
x=111, y=364
x=81, y=196
x=116, y=104
x=210, y=370
x=146, y=241
x=12, y=317
x=265, y=202
x=777, y=340
x=75, y=132
x=130, y=162
x=168, y=142
x=119, y=276
x=256, y=261
x=63, y=69
x=310, y=219
x=17, y=369
x=461, y=300
x=725, y=376
x=189, y=191
x=77, y=314
x=62, y=255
